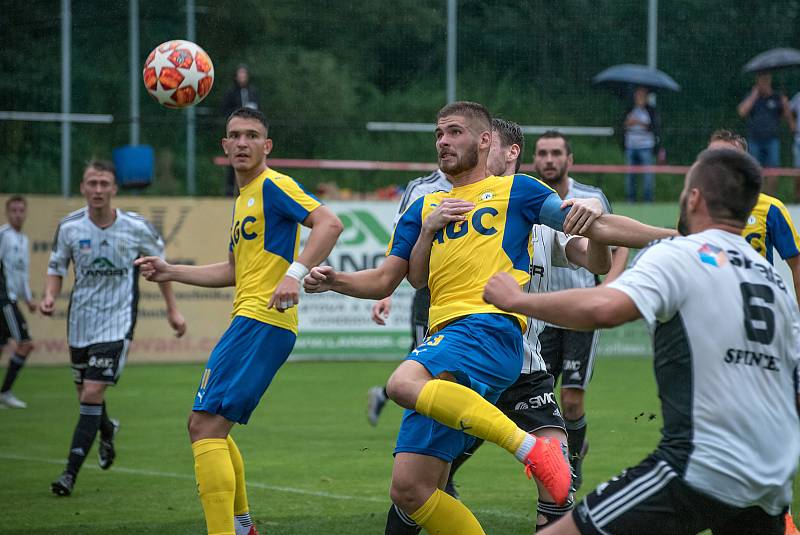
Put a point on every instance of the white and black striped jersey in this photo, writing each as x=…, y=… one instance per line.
x=103, y=301
x=563, y=279
x=436, y=181
x=549, y=254
x=726, y=340
x=15, y=260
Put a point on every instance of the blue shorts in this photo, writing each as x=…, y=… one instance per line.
x=241, y=367
x=483, y=352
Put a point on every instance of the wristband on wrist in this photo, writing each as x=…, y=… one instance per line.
x=297, y=271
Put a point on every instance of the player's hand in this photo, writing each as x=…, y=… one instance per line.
x=177, y=322
x=502, y=290
x=381, y=309
x=32, y=308
x=449, y=210
x=319, y=279
x=286, y=295
x=583, y=213
x=153, y=268
x=48, y=305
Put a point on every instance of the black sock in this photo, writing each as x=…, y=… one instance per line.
x=464, y=457
x=385, y=395
x=14, y=366
x=85, y=431
x=106, y=427
x=399, y=523
x=550, y=512
x=576, y=434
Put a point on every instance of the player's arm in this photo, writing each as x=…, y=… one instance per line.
x=619, y=261
x=52, y=287
x=448, y=210
x=580, y=309
x=785, y=239
x=612, y=229
x=588, y=254
x=219, y=275
x=325, y=230
x=174, y=316
x=374, y=283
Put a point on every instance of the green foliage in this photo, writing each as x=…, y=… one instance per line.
x=324, y=69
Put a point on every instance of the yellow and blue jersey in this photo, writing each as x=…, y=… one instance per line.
x=494, y=237
x=265, y=236
x=770, y=225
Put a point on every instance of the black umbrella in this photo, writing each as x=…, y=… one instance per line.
x=628, y=74
x=777, y=58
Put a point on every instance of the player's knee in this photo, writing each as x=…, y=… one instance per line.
x=92, y=393
x=572, y=403
x=25, y=348
x=400, y=390
x=409, y=495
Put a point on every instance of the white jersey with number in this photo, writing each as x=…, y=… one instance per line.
x=14, y=262
x=105, y=295
x=549, y=253
x=726, y=343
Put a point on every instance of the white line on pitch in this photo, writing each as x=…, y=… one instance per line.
x=254, y=484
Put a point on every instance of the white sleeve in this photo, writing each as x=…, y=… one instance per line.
x=27, y=279
x=150, y=242
x=60, y=255
x=559, y=250
x=657, y=282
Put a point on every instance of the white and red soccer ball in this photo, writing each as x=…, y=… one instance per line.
x=178, y=74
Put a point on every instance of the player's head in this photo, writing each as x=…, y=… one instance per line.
x=246, y=141
x=721, y=187
x=505, y=154
x=463, y=136
x=16, y=208
x=99, y=183
x=725, y=139
x=242, y=75
x=552, y=157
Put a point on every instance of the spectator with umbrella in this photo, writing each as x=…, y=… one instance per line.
x=641, y=124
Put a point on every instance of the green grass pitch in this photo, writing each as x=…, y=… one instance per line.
x=313, y=463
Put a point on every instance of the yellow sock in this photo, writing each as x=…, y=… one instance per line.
x=240, y=505
x=459, y=407
x=442, y=515
x=216, y=483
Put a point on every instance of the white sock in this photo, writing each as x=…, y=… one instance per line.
x=524, y=449
x=243, y=523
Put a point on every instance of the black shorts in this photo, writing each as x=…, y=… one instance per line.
x=569, y=354
x=102, y=363
x=531, y=403
x=420, y=307
x=12, y=324
x=651, y=498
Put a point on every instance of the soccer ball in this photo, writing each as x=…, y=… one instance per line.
x=178, y=74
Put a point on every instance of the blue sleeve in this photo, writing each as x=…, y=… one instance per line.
x=536, y=203
x=784, y=237
x=287, y=198
x=407, y=231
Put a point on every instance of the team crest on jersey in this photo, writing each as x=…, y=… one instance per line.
x=712, y=255
x=751, y=220
x=486, y=196
x=251, y=202
x=85, y=246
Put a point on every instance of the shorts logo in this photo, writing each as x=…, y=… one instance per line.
x=101, y=362
x=572, y=365
x=521, y=406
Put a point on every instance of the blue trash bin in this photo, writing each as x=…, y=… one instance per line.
x=135, y=164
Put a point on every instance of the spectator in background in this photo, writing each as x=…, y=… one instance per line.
x=240, y=95
x=641, y=127
x=794, y=126
x=763, y=109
